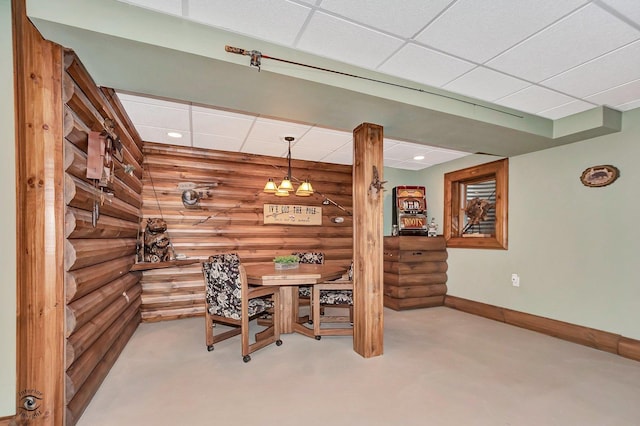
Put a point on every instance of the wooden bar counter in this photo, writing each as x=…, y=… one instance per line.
x=415, y=272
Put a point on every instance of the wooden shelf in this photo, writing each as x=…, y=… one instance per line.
x=143, y=266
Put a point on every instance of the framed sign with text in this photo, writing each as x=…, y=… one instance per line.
x=286, y=214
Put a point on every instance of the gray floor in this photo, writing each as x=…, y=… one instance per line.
x=440, y=367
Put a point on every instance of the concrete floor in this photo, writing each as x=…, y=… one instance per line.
x=440, y=367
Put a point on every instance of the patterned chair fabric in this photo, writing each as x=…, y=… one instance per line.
x=338, y=297
x=223, y=288
x=316, y=258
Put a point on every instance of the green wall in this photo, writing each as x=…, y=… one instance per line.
x=7, y=218
x=574, y=247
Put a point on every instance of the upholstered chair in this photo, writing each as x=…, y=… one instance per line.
x=304, y=292
x=229, y=300
x=338, y=293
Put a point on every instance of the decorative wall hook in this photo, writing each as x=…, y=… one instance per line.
x=376, y=185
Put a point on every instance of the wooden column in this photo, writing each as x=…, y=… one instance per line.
x=367, y=240
x=40, y=225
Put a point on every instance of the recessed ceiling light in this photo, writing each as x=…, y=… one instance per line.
x=174, y=135
x=419, y=157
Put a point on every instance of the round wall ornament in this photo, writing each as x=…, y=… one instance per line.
x=597, y=176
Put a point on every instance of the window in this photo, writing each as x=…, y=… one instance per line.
x=475, y=206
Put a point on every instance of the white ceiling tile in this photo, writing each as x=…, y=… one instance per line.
x=329, y=140
x=217, y=142
x=618, y=95
x=273, y=131
x=159, y=135
x=342, y=155
x=278, y=21
x=486, y=84
x=146, y=114
x=404, y=18
x=310, y=153
x=443, y=155
x=348, y=42
x=534, y=99
x=260, y=147
x=391, y=163
x=153, y=101
x=566, y=110
x=582, y=36
x=610, y=70
x=628, y=8
x=410, y=165
x=172, y=7
x=479, y=30
x=629, y=106
x=226, y=125
x=425, y=66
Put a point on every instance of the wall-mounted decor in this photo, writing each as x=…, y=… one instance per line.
x=192, y=193
x=284, y=214
x=597, y=176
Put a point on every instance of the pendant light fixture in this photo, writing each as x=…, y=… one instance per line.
x=285, y=187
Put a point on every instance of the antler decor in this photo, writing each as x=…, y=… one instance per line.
x=477, y=210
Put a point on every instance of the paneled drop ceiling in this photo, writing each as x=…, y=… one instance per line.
x=545, y=57
x=551, y=58
x=504, y=77
x=204, y=127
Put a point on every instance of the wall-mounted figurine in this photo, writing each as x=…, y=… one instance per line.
x=432, y=228
x=156, y=241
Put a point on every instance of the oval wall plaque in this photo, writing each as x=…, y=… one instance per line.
x=597, y=176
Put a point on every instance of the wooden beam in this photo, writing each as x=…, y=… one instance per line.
x=40, y=224
x=367, y=241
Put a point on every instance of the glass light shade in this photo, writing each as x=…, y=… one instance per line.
x=270, y=187
x=282, y=193
x=285, y=185
x=305, y=189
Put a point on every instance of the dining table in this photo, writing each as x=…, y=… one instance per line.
x=289, y=280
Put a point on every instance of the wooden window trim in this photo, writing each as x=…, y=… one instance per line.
x=452, y=180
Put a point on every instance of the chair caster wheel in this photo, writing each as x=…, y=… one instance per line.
x=278, y=342
x=246, y=358
x=318, y=337
x=210, y=348
x=310, y=322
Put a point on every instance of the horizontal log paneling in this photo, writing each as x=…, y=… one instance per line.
x=415, y=291
x=83, y=396
x=414, y=272
x=82, y=310
x=230, y=217
x=102, y=295
x=412, y=280
x=80, y=253
x=78, y=224
x=84, y=337
x=81, y=282
x=598, y=339
x=82, y=195
x=413, y=303
x=84, y=364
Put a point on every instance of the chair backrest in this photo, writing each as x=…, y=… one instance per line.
x=223, y=291
x=310, y=257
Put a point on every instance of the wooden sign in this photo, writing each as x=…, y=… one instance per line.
x=285, y=214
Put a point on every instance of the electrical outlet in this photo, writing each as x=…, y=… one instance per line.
x=515, y=280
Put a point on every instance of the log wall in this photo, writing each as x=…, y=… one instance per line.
x=102, y=296
x=415, y=271
x=230, y=217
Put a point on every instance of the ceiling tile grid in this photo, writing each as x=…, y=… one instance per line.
x=546, y=57
x=486, y=49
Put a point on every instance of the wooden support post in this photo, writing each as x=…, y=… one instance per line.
x=40, y=225
x=368, y=321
